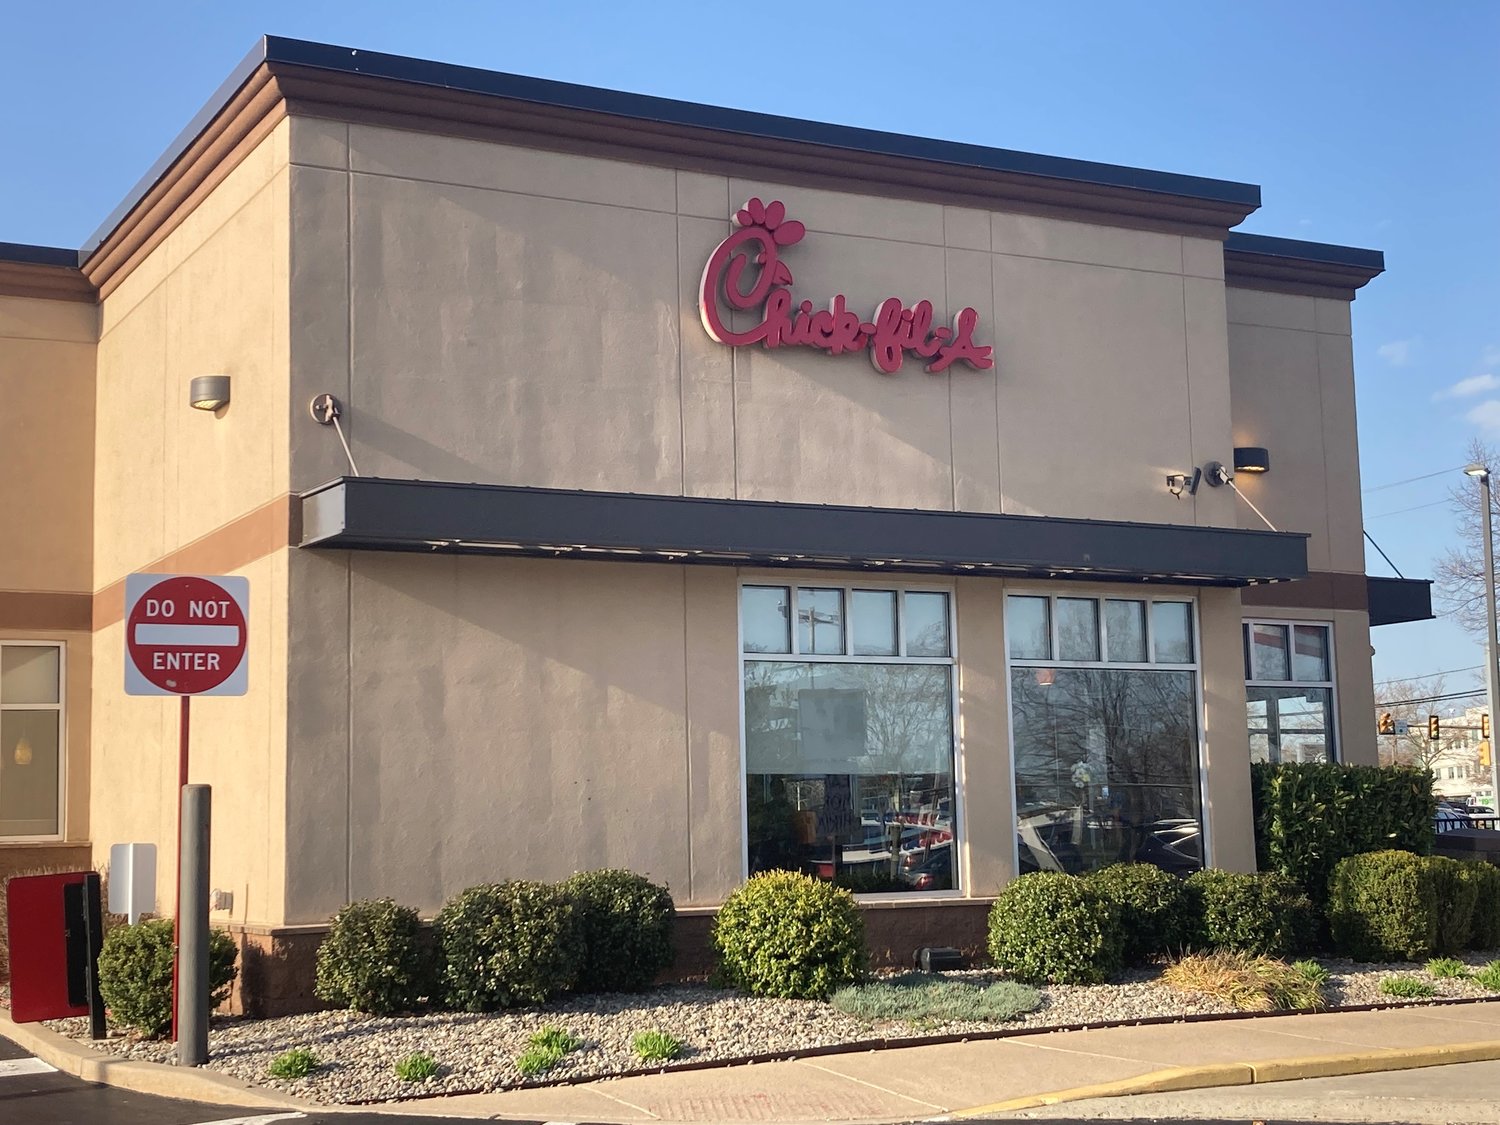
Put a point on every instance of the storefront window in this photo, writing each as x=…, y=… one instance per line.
x=30, y=739
x=849, y=738
x=1106, y=750
x=1289, y=691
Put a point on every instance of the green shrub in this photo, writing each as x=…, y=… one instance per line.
x=1249, y=982
x=1311, y=815
x=1488, y=977
x=1408, y=988
x=1265, y=914
x=1048, y=926
x=790, y=935
x=923, y=998
x=416, y=1067
x=299, y=1062
x=1457, y=891
x=626, y=922
x=656, y=1046
x=135, y=974
x=1446, y=968
x=1486, y=933
x=506, y=944
x=1383, y=906
x=373, y=960
x=1153, y=905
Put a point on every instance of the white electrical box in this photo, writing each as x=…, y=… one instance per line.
x=132, y=880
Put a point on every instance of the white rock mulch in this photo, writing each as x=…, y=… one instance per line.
x=357, y=1054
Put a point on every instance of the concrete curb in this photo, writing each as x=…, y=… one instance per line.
x=1174, y=1079
x=185, y=1082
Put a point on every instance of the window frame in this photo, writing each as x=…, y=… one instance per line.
x=1335, y=747
x=1052, y=593
x=61, y=709
x=951, y=661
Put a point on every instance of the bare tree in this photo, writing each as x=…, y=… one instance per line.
x=1413, y=748
x=1459, y=574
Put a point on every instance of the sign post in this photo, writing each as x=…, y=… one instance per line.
x=185, y=635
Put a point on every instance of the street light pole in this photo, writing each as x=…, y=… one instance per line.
x=1491, y=649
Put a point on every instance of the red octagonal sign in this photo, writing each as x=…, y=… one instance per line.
x=185, y=634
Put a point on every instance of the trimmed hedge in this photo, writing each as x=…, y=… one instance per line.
x=135, y=974
x=1486, y=932
x=790, y=935
x=1311, y=815
x=1048, y=926
x=626, y=924
x=1266, y=914
x=1383, y=906
x=373, y=960
x=1457, y=892
x=508, y=944
x=1155, y=910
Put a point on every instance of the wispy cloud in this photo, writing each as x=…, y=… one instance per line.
x=1473, y=385
x=1490, y=357
x=1486, y=415
x=1397, y=353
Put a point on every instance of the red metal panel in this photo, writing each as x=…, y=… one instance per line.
x=38, y=932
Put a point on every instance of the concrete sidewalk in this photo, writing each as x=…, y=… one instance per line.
x=981, y=1078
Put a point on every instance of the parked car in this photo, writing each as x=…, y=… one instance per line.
x=1447, y=818
x=933, y=873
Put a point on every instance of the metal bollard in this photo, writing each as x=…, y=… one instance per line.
x=192, y=950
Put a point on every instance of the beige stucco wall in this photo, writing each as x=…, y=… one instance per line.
x=212, y=298
x=507, y=315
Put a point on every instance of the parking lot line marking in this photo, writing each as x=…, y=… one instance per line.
x=11, y=1068
x=264, y=1119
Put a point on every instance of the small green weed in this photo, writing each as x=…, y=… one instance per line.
x=922, y=999
x=657, y=1046
x=1312, y=972
x=299, y=1062
x=1488, y=977
x=1447, y=968
x=548, y=1046
x=1408, y=988
x=416, y=1067
x=1248, y=982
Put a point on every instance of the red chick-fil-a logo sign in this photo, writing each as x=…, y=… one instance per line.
x=745, y=271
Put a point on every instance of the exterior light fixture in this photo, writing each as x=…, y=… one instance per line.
x=1251, y=459
x=209, y=392
x=1178, y=483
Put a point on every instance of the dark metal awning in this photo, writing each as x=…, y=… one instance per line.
x=372, y=514
x=1397, y=600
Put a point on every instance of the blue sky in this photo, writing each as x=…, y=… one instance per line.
x=1367, y=124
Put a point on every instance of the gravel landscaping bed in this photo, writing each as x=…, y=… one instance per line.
x=357, y=1053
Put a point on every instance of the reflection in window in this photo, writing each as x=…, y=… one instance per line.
x=1077, y=629
x=1289, y=693
x=766, y=618
x=1125, y=625
x=1268, y=660
x=849, y=763
x=30, y=740
x=1029, y=628
x=1106, y=768
x=1172, y=630
x=820, y=621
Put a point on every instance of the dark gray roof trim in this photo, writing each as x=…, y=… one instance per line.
x=1316, y=269
x=1394, y=601
x=365, y=513
x=39, y=255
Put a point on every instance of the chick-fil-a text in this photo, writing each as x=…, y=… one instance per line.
x=745, y=271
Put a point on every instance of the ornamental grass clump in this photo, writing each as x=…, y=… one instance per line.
x=922, y=998
x=416, y=1067
x=790, y=936
x=1447, y=968
x=1488, y=977
x=508, y=944
x=1154, y=907
x=373, y=960
x=1055, y=928
x=626, y=924
x=1247, y=981
x=656, y=1046
x=299, y=1062
x=546, y=1049
x=1407, y=988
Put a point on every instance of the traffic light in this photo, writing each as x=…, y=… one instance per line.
x=1387, y=723
x=1484, y=755
x=1434, y=728
x=1484, y=726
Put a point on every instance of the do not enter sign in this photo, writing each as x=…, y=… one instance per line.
x=185, y=635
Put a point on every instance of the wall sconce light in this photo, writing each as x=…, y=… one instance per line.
x=1178, y=483
x=1251, y=459
x=209, y=392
